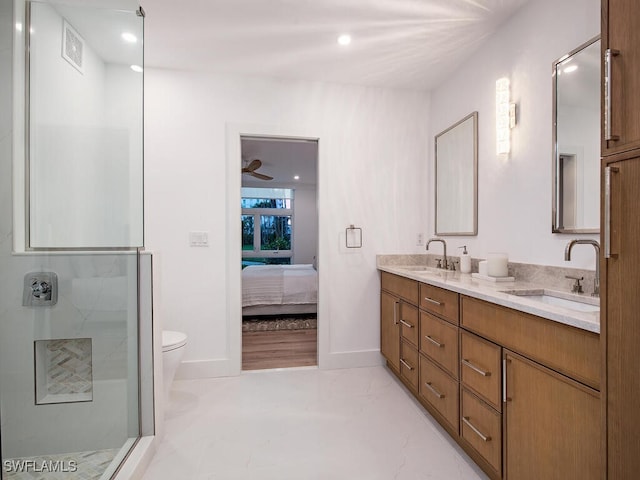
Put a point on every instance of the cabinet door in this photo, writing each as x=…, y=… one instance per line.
x=620, y=324
x=390, y=329
x=552, y=425
x=621, y=36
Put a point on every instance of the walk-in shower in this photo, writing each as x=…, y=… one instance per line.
x=75, y=327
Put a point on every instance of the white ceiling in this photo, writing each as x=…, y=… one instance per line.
x=411, y=44
x=281, y=159
x=396, y=43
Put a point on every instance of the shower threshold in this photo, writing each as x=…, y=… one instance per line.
x=89, y=465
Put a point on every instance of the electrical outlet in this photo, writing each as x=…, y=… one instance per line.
x=420, y=239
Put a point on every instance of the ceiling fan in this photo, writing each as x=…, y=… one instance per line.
x=251, y=170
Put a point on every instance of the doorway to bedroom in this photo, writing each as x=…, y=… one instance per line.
x=279, y=252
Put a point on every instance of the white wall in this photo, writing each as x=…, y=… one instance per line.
x=515, y=194
x=372, y=160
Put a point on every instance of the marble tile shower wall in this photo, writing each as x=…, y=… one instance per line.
x=96, y=300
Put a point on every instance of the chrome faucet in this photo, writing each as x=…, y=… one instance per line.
x=444, y=244
x=596, y=245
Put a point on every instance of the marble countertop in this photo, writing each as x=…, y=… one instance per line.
x=494, y=292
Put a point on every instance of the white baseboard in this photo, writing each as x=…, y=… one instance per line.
x=363, y=358
x=192, y=369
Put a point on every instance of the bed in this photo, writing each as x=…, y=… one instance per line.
x=279, y=289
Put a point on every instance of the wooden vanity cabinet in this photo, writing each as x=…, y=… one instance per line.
x=620, y=277
x=551, y=424
x=398, y=299
x=621, y=36
x=620, y=323
x=519, y=393
x=390, y=329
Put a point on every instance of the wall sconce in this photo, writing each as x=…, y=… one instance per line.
x=505, y=117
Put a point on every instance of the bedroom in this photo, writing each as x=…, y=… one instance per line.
x=279, y=249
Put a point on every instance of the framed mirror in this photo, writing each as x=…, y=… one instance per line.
x=576, y=140
x=457, y=178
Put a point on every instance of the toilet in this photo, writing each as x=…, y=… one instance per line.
x=173, y=344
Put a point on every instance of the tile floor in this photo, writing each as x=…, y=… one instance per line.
x=304, y=424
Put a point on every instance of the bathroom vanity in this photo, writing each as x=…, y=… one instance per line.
x=514, y=380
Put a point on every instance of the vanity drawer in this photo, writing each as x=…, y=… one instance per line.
x=480, y=368
x=409, y=322
x=443, y=303
x=481, y=427
x=568, y=350
x=439, y=390
x=409, y=364
x=439, y=341
x=404, y=288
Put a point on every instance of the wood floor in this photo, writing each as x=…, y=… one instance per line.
x=279, y=349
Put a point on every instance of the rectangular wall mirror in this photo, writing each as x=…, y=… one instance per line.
x=457, y=178
x=576, y=140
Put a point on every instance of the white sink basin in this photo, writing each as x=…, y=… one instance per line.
x=559, y=299
x=421, y=269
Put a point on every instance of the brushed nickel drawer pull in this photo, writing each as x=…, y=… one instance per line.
x=474, y=368
x=435, y=342
x=485, y=438
x=406, y=324
x=406, y=364
x=433, y=390
x=608, y=171
x=608, y=60
x=395, y=312
x=435, y=302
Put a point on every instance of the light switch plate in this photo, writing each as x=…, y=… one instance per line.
x=199, y=239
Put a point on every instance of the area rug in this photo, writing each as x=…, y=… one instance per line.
x=271, y=323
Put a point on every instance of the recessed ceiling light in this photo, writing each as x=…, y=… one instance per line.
x=136, y=68
x=344, y=39
x=296, y=177
x=129, y=37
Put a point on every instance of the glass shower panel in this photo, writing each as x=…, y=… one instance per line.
x=70, y=362
x=85, y=117
x=69, y=371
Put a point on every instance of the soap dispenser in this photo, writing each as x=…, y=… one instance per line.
x=465, y=260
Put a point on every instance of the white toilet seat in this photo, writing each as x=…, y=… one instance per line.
x=172, y=340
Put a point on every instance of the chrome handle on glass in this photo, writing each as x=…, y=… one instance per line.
x=432, y=301
x=475, y=369
x=433, y=390
x=607, y=210
x=608, y=57
x=435, y=342
x=406, y=364
x=406, y=324
x=485, y=438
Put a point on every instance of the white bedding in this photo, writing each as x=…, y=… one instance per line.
x=279, y=285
